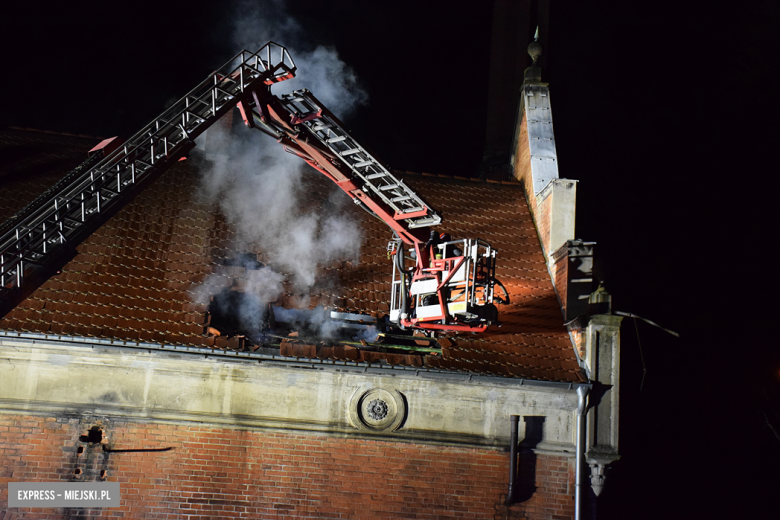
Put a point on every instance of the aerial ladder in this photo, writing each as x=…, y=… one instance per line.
x=448, y=285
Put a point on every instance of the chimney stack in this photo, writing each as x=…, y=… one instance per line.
x=552, y=200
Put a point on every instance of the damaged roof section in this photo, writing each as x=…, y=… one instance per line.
x=137, y=278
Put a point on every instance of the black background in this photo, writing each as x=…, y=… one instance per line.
x=665, y=114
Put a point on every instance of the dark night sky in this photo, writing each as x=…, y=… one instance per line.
x=661, y=112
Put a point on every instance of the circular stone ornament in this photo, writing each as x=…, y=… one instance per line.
x=377, y=410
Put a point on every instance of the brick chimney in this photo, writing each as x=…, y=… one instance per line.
x=594, y=330
x=552, y=200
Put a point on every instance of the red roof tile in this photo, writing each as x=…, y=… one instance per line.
x=132, y=278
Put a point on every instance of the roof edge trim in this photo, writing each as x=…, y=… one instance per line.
x=322, y=364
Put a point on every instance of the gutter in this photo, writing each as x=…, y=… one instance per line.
x=510, y=494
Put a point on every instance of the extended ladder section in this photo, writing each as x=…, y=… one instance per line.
x=369, y=173
x=43, y=236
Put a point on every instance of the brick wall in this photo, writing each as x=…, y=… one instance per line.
x=559, y=269
x=542, y=215
x=552, y=493
x=214, y=472
x=540, y=210
x=575, y=329
x=522, y=167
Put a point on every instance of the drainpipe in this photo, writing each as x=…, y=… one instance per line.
x=582, y=408
x=510, y=495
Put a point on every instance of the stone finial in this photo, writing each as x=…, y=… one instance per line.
x=600, y=301
x=535, y=48
x=534, y=72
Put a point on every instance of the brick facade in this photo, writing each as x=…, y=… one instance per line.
x=540, y=210
x=560, y=274
x=215, y=472
x=522, y=166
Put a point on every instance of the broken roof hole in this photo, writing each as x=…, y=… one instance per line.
x=244, y=259
x=233, y=312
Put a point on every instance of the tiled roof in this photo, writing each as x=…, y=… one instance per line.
x=133, y=278
x=31, y=161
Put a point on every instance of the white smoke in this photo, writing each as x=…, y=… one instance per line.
x=258, y=188
x=319, y=319
x=319, y=67
x=257, y=185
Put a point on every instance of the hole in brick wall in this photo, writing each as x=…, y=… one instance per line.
x=94, y=435
x=103, y=473
x=80, y=450
x=77, y=472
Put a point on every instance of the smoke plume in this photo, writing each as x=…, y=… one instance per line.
x=258, y=187
x=319, y=67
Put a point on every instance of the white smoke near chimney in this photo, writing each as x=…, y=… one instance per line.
x=258, y=186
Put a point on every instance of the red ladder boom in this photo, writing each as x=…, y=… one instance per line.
x=450, y=287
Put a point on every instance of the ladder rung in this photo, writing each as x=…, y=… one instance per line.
x=401, y=199
x=375, y=176
x=389, y=187
x=317, y=128
x=362, y=164
x=337, y=139
x=415, y=223
x=350, y=152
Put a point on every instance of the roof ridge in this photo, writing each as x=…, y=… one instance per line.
x=459, y=177
x=39, y=130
